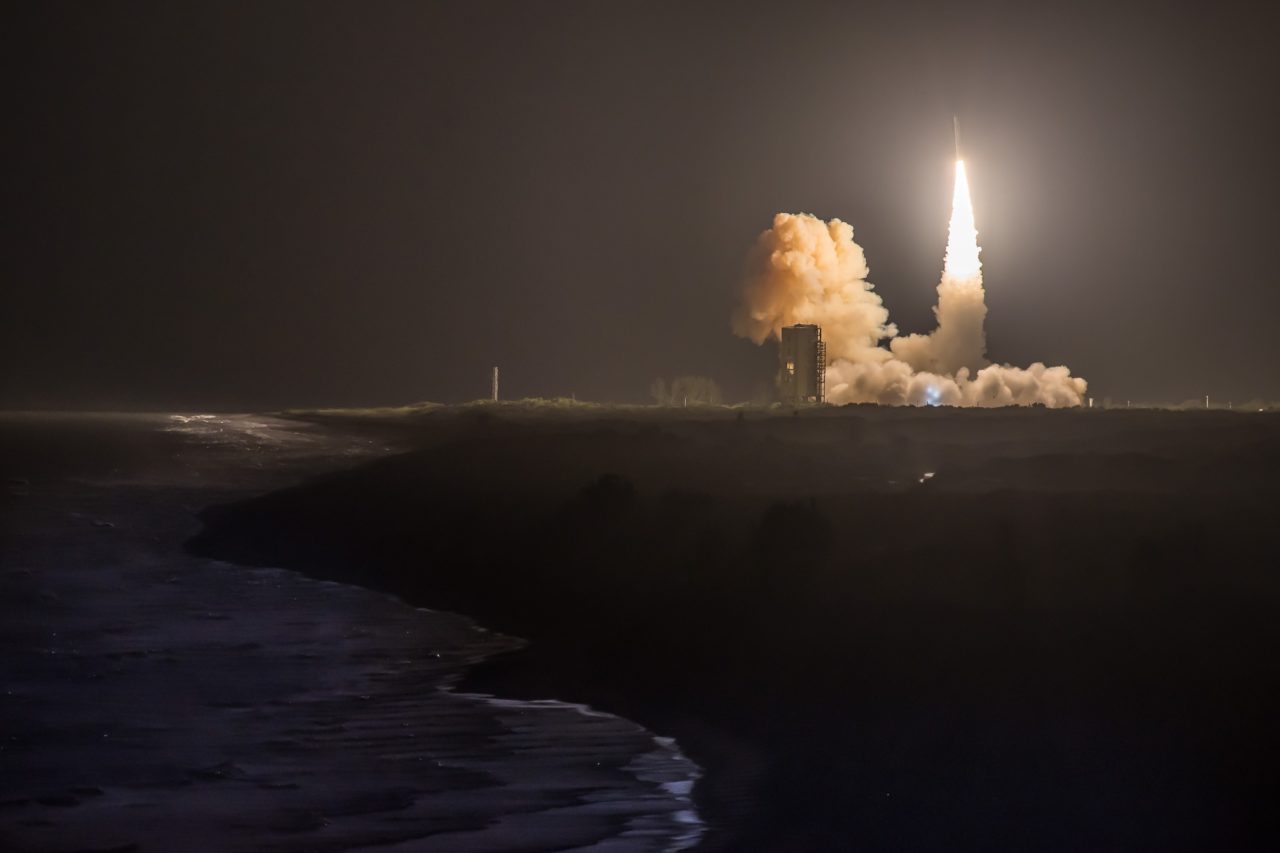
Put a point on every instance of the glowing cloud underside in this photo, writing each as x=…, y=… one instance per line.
x=804, y=270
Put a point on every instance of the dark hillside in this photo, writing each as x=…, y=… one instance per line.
x=889, y=629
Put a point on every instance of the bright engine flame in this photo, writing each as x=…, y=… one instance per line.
x=962, y=241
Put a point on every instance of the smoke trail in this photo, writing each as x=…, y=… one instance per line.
x=803, y=270
x=960, y=339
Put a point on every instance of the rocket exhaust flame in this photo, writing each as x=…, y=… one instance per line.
x=960, y=341
x=804, y=270
x=962, y=261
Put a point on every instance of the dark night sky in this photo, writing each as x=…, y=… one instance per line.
x=267, y=204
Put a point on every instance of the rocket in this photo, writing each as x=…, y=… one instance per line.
x=955, y=124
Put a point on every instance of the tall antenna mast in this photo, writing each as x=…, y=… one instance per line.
x=495, y=383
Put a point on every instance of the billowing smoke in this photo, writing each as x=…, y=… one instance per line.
x=804, y=270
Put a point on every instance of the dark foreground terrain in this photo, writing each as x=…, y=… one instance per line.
x=875, y=629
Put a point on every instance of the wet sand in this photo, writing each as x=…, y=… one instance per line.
x=155, y=700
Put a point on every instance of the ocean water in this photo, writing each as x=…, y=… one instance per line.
x=151, y=700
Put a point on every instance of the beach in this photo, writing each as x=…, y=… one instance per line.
x=157, y=700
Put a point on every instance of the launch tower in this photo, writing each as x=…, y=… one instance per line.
x=802, y=364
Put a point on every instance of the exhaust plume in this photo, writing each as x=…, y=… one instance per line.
x=960, y=339
x=804, y=270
